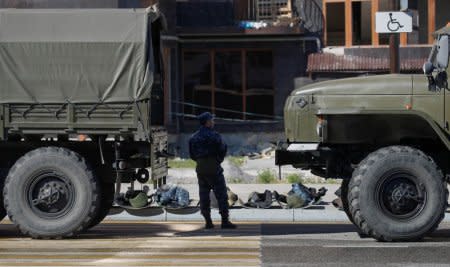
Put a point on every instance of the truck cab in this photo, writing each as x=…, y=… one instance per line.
x=387, y=138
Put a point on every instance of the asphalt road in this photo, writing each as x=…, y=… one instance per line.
x=339, y=245
x=253, y=244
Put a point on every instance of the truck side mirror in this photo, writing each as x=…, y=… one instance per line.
x=442, y=55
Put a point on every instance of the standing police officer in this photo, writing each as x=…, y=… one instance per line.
x=208, y=150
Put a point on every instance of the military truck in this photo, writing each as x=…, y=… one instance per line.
x=387, y=137
x=81, y=113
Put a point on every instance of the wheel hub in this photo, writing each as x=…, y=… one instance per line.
x=50, y=195
x=400, y=196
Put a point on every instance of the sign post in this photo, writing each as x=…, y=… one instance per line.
x=394, y=23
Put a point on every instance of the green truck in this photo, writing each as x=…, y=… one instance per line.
x=387, y=137
x=81, y=113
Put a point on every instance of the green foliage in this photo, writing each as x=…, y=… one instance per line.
x=237, y=161
x=182, y=164
x=235, y=180
x=294, y=178
x=266, y=177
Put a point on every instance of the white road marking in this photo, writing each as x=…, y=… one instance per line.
x=366, y=246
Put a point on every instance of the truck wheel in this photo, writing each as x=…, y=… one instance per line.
x=106, y=202
x=344, y=199
x=2, y=207
x=51, y=193
x=2, y=213
x=3, y=174
x=397, y=194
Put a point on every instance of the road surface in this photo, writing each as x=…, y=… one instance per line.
x=141, y=243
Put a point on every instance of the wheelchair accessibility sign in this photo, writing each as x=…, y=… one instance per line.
x=393, y=22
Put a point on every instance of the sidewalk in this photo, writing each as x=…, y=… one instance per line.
x=325, y=212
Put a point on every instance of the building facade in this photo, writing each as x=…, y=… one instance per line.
x=353, y=46
x=241, y=58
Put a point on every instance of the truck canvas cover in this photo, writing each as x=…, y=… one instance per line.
x=75, y=56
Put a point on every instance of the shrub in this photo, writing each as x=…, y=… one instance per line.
x=294, y=178
x=266, y=177
x=237, y=161
x=182, y=164
x=235, y=180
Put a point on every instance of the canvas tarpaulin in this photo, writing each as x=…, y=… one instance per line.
x=76, y=56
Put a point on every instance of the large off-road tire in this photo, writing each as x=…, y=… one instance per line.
x=51, y=193
x=397, y=194
x=106, y=202
x=2, y=205
x=344, y=199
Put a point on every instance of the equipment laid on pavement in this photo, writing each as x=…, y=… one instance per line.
x=337, y=203
x=299, y=196
x=260, y=200
x=172, y=196
x=232, y=198
x=139, y=200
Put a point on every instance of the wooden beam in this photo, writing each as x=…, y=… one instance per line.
x=325, y=32
x=348, y=23
x=374, y=9
x=403, y=38
x=431, y=19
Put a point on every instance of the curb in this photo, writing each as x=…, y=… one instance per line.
x=237, y=215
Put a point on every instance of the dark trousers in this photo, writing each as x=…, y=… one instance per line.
x=217, y=184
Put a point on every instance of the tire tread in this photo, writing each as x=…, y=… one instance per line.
x=355, y=188
x=75, y=157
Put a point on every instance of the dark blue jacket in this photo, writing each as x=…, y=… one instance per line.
x=207, y=143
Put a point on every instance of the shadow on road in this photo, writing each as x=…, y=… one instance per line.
x=132, y=230
x=306, y=228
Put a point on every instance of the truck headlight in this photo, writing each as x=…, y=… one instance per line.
x=320, y=127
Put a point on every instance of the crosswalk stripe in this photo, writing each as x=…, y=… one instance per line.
x=131, y=244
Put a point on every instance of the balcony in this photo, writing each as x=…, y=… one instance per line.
x=252, y=17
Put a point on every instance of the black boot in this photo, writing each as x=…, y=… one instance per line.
x=226, y=224
x=208, y=221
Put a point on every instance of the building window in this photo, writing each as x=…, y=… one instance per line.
x=234, y=84
x=197, y=82
x=228, y=84
x=335, y=24
x=259, y=86
x=273, y=9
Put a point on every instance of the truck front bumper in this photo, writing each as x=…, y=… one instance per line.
x=321, y=160
x=299, y=155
